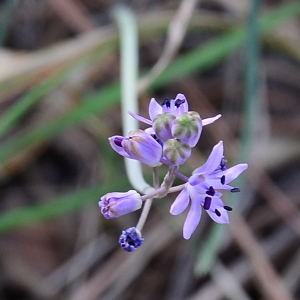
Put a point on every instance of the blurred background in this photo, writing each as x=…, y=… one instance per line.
x=60, y=101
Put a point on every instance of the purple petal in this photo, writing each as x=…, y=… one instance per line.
x=181, y=202
x=185, y=106
x=210, y=120
x=117, y=148
x=140, y=118
x=213, y=160
x=216, y=183
x=233, y=172
x=149, y=130
x=154, y=109
x=218, y=204
x=223, y=219
x=192, y=219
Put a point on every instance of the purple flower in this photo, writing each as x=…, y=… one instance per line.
x=173, y=120
x=114, y=205
x=138, y=145
x=130, y=239
x=175, y=107
x=201, y=190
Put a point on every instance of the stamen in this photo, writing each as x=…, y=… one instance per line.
x=223, y=179
x=235, y=190
x=228, y=208
x=217, y=213
x=207, y=203
x=167, y=103
x=222, y=166
x=210, y=191
x=118, y=141
x=178, y=102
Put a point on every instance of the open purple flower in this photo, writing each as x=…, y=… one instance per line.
x=138, y=145
x=115, y=204
x=176, y=107
x=201, y=190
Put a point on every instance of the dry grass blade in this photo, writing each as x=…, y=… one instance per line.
x=176, y=33
x=271, y=283
x=122, y=264
x=74, y=14
x=228, y=283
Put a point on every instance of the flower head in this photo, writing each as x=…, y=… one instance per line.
x=115, y=204
x=130, y=239
x=138, y=145
x=201, y=190
x=176, y=108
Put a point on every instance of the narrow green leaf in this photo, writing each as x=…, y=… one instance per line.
x=57, y=207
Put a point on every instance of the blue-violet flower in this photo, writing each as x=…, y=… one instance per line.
x=201, y=190
x=115, y=204
x=130, y=239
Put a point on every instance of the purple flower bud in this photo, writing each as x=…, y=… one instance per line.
x=114, y=205
x=176, y=152
x=130, y=239
x=162, y=126
x=187, y=128
x=138, y=145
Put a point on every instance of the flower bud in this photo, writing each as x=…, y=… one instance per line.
x=138, y=145
x=176, y=152
x=187, y=128
x=162, y=126
x=114, y=205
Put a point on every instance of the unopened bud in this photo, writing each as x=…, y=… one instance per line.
x=187, y=128
x=162, y=126
x=115, y=204
x=176, y=152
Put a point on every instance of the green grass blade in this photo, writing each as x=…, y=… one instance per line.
x=57, y=207
x=208, y=253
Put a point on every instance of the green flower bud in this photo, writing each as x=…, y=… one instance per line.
x=187, y=128
x=162, y=126
x=176, y=152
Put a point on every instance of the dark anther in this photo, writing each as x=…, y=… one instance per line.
x=207, y=203
x=178, y=102
x=228, y=208
x=217, y=213
x=167, y=103
x=157, y=139
x=235, y=190
x=118, y=141
x=210, y=191
x=223, y=179
x=223, y=164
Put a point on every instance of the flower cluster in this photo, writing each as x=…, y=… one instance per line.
x=172, y=133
